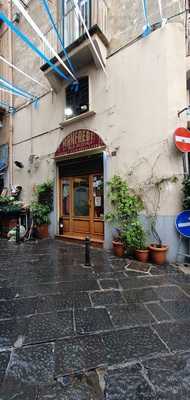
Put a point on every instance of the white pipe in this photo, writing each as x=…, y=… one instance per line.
x=160, y=8
x=88, y=34
x=40, y=34
x=23, y=73
x=164, y=20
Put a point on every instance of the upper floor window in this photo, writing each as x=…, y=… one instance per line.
x=72, y=26
x=77, y=98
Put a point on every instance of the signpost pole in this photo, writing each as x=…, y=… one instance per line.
x=186, y=163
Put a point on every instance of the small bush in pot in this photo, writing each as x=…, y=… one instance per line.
x=40, y=213
x=41, y=207
x=125, y=207
x=158, y=250
x=44, y=193
x=135, y=238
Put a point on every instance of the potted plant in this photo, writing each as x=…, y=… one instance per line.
x=40, y=215
x=158, y=250
x=125, y=206
x=135, y=238
x=41, y=207
x=9, y=209
x=117, y=242
x=44, y=193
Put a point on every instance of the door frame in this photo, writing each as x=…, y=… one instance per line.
x=107, y=174
x=71, y=218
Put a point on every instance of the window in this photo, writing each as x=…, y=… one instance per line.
x=72, y=25
x=77, y=98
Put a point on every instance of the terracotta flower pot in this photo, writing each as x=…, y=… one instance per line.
x=158, y=254
x=142, y=255
x=118, y=248
x=43, y=231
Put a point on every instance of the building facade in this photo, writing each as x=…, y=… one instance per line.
x=119, y=118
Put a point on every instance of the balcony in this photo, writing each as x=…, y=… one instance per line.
x=77, y=44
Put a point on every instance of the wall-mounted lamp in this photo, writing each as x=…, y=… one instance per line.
x=68, y=112
x=19, y=164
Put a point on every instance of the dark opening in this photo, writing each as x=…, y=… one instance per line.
x=82, y=165
x=77, y=98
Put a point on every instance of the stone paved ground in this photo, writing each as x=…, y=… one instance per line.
x=117, y=331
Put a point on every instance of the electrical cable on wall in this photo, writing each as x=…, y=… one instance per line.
x=29, y=43
x=24, y=73
x=6, y=84
x=11, y=91
x=40, y=34
x=15, y=93
x=14, y=90
x=47, y=9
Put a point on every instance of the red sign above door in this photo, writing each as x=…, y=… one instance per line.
x=182, y=139
x=78, y=141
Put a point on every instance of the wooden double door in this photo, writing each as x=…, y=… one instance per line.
x=82, y=205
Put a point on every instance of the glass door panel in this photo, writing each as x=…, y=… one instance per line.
x=81, y=197
x=66, y=197
x=98, y=195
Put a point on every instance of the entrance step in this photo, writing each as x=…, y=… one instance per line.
x=79, y=238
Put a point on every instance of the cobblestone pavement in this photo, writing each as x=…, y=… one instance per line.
x=116, y=331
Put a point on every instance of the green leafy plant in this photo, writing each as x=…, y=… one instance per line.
x=40, y=213
x=125, y=207
x=8, y=204
x=134, y=235
x=42, y=204
x=186, y=193
x=5, y=200
x=11, y=208
x=44, y=193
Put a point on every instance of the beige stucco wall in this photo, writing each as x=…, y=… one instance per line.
x=127, y=18
x=136, y=112
x=125, y=21
x=136, y=107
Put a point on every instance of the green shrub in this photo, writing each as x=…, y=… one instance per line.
x=125, y=207
x=134, y=235
x=40, y=213
x=44, y=193
x=186, y=193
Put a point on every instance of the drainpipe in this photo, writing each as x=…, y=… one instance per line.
x=10, y=44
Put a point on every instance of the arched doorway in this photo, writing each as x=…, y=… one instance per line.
x=81, y=186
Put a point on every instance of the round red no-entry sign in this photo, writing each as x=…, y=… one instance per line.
x=182, y=139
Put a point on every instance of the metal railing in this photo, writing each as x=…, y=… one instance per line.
x=94, y=12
